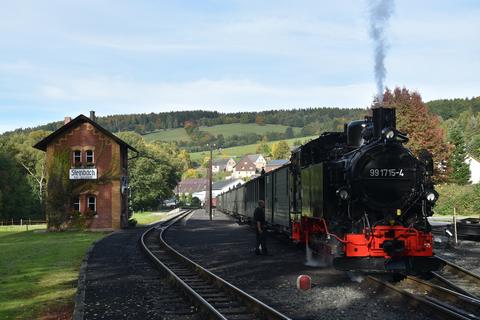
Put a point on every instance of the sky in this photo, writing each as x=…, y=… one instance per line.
x=63, y=58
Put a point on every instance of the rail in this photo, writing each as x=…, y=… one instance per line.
x=458, y=279
x=452, y=293
x=215, y=297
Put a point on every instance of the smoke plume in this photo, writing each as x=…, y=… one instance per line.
x=380, y=12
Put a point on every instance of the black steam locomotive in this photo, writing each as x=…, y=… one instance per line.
x=358, y=195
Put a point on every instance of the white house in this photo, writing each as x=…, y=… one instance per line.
x=223, y=165
x=474, y=169
x=218, y=188
x=258, y=160
x=244, y=168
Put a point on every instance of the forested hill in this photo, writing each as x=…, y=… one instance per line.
x=452, y=108
x=322, y=119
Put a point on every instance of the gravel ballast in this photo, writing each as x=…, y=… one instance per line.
x=121, y=283
x=226, y=248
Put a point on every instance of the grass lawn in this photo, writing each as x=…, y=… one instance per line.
x=39, y=271
x=237, y=152
x=144, y=218
x=178, y=134
x=241, y=128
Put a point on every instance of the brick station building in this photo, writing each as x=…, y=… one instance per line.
x=99, y=168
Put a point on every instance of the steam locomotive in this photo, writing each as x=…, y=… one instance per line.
x=358, y=196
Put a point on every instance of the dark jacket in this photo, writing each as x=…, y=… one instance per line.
x=259, y=216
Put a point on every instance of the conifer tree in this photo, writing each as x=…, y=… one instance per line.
x=460, y=170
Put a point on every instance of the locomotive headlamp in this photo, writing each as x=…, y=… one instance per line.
x=389, y=133
x=431, y=196
x=343, y=194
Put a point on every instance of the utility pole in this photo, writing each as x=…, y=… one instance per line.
x=210, y=169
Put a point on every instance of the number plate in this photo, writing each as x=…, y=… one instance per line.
x=387, y=173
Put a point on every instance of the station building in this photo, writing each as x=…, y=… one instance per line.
x=98, y=168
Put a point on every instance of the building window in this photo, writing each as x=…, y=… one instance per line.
x=76, y=204
x=92, y=203
x=77, y=156
x=90, y=157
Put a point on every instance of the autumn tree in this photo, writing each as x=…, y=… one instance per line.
x=423, y=129
x=280, y=150
x=260, y=120
x=263, y=148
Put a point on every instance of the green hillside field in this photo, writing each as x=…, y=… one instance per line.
x=179, y=134
x=237, y=152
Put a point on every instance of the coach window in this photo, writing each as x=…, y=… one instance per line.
x=90, y=156
x=76, y=204
x=77, y=157
x=92, y=203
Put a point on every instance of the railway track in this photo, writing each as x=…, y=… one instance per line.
x=450, y=294
x=458, y=279
x=212, y=296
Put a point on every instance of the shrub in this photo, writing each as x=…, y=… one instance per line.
x=196, y=203
x=466, y=199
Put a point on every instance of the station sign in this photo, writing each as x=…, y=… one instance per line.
x=83, y=174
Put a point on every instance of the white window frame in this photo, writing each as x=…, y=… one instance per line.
x=75, y=156
x=75, y=201
x=94, y=203
x=93, y=156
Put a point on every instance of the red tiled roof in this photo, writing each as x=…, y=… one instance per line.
x=245, y=164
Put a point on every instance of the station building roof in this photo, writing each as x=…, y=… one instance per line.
x=42, y=145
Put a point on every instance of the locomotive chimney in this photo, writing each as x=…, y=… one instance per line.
x=383, y=118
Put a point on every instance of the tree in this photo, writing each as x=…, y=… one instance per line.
x=423, y=128
x=31, y=159
x=460, y=170
x=264, y=149
x=154, y=173
x=289, y=133
x=280, y=150
x=260, y=120
x=246, y=118
x=16, y=199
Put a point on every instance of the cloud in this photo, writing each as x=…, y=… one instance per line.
x=120, y=95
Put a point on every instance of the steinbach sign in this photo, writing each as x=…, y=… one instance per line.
x=87, y=174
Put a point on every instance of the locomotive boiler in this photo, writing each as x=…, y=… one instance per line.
x=359, y=196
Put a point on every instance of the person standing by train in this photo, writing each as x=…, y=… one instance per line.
x=259, y=220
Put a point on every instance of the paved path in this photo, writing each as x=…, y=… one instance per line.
x=122, y=284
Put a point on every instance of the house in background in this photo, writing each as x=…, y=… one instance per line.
x=96, y=169
x=275, y=164
x=474, y=166
x=258, y=160
x=190, y=186
x=218, y=188
x=245, y=168
x=223, y=165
